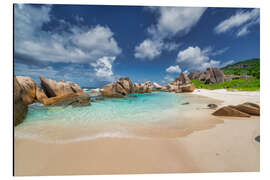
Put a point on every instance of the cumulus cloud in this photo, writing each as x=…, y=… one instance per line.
x=173, y=69
x=148, y=49
x=103, y=67
x=174, y=20
x=76, y=45
x=242, y=20
x=171, y=22
x=81, y=50
x=197, y=59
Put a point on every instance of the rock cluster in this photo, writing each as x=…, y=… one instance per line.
x=242, y=110
x=181, y=84
x=124, y=86
x=210, y=76
x=214, y=75
x=146, y=87
x=53, y=93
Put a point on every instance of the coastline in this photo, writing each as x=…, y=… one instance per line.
x=205, y=149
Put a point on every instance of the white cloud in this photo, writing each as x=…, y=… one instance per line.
x=170, y=46
x=197, y=59
x=148, y=49
x=76, y=44
x=192, y=55
x=172, y=21
x=241, y=18
x=173, y=69
x=103, y=67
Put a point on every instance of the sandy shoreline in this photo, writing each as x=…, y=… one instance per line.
x=218, y=147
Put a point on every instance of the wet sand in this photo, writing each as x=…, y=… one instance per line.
x=203, y=144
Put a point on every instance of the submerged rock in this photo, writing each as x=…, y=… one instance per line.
x=212, y=106
x=185, y=103
x=230, y=111
x=74, y=99
x=257, y=138
x=20, y=108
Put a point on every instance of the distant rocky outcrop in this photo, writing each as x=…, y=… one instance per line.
x=242, y=110
x=31, y=92
x=63, y=93
x=20, y=108
x=181, y=80
x=232, y=77
x=120, y=88
x=210, y=76
x=214, y=75
x=146, y=87
x=124, y=86
x=181, y=84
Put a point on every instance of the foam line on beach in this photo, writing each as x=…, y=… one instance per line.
x=78, y=139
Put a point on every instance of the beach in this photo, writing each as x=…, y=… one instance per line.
x=203, y=144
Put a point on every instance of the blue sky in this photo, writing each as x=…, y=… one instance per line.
x=95, y=45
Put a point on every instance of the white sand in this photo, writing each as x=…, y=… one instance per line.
x=230, y=97
x=226, y=147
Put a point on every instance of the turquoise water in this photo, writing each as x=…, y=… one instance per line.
x=132, y=116
x=135, y=108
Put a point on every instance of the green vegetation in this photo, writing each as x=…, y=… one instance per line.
x=250, y=84
x=247, y=67
x=252, y=67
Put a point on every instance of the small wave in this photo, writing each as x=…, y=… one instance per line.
x=77, y=139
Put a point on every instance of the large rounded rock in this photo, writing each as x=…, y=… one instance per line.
x=120, y=88
x=214, y=75
x=113, y=90
x=249, y=108
x=126, y=84
x=61, y=88
x=157, y=86
x=230, y=111
x=20, y=108
x=188, y=88
x=31, y=92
